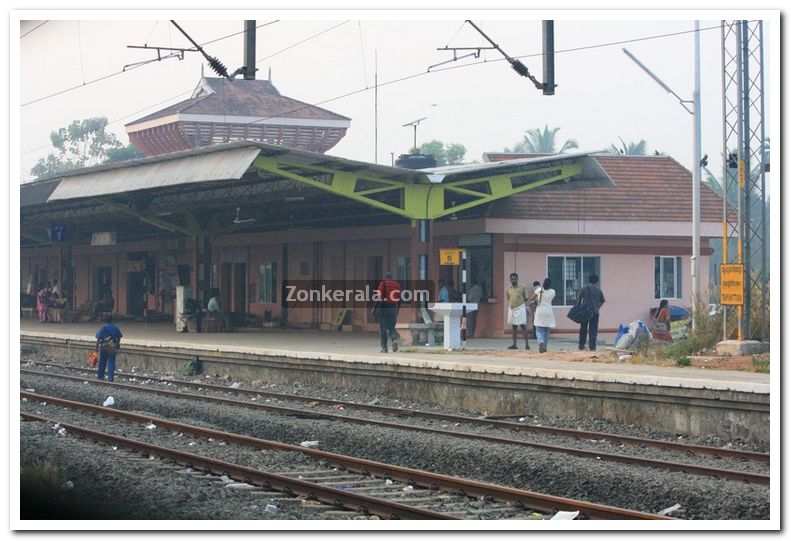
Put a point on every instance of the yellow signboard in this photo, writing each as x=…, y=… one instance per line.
x=741, y=173
x=732, y=284
x=449, y=256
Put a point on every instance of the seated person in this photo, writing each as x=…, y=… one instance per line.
x=214, y=310
x=660, y=323
x=106, y=304
x=192, y=310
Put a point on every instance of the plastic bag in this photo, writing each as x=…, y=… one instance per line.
x=93, y=358
x=622, y=330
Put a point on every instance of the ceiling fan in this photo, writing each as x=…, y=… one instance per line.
x=238, y=220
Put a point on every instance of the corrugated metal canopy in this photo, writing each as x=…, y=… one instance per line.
x=230, y=161
x=210, y=166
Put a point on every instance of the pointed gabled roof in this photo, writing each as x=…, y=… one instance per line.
x=242, y=98
x=220, y=110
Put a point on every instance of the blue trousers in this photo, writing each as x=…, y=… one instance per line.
x=542, y=335
x=107, y=361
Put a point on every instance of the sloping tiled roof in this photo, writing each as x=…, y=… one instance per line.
x=655, y=188
x=242, y=97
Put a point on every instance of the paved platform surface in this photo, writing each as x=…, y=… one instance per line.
x=482, y=355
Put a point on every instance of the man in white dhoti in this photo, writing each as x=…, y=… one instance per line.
x=517, y=311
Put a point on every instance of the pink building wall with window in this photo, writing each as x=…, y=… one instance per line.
x=627, y=281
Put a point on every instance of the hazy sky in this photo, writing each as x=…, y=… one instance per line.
x=332, y=59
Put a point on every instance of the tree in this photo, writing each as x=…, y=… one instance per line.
x=82, y=143
x=631, y=149
x=123, y=154
x=537, y=141
x=450, y=154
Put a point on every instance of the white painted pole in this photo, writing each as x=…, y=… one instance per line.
x=696, y=177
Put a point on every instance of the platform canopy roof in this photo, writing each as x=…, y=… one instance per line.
x=198, y=192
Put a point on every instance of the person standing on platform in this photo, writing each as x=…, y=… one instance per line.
x=42, y=302
x=517, y=311
x=474, y=295
x=443, y=296
x=592, y=296
x=544, y=319
x=56, y=292
x=389, y=291
x=108, y=342
x=531, y=307
x=453, y=293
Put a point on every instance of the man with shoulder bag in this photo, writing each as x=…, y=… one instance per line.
x=591, y=297
x=108, y=342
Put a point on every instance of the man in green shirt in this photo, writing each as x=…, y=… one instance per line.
x=517, y=311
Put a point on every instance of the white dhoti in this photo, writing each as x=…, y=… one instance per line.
x=518, y=315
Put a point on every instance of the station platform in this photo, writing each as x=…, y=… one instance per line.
x=486, y=376
x=563, y=360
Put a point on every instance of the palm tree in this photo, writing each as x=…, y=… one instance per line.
x=538, y=141
x=631, y=149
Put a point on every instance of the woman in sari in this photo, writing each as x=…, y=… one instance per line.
x=660, y=323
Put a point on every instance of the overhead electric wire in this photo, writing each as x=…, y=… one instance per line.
x=423, y=73
x=400, y=79
x=237, y=33
x=183, y=93
x=301, y=42
x=130, y=69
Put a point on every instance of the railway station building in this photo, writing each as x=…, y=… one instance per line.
x=237, y=193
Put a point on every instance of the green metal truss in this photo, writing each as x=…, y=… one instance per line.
x=417, y=201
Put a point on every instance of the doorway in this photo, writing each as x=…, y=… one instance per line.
x=240, y=287
x=102, y=282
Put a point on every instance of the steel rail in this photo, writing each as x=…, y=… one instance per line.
x=611, y=457
x=532, y=500
x=695, y=450
x=273, y=481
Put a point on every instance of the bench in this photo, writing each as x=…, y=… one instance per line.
x=29, y=312
x=212, y=324
x=426, y=333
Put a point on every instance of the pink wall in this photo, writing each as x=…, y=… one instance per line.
x=626, y=280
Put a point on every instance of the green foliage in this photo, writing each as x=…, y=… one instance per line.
x=450, y=154
x=538, y=141
x=82, y=143
x=192, y=368
x=123, y=154
x=761, y=364
x=706, y=334
x=629, y=149
x=683, y=361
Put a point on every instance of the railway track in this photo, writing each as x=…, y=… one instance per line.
x=358, y=485
x=692, y=450
x=720, y=473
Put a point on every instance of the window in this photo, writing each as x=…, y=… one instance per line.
x=667, y=277
x=267, y=283
x=404, y=271
x=569, y=274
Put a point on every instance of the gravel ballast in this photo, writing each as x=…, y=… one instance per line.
x=152, y=492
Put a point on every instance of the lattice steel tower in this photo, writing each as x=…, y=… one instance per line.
x=744, y=169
